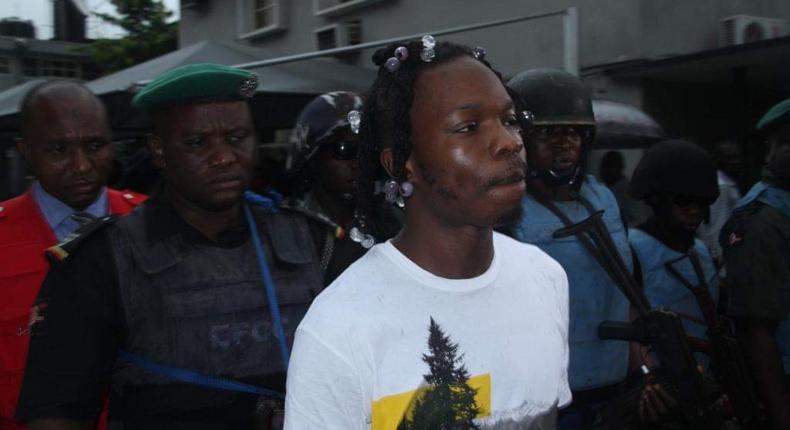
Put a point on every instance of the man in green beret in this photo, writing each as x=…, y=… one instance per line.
x=185, y=310
x=756, y=246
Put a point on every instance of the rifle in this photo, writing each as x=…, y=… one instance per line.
x=727, y=360
x=660, y=329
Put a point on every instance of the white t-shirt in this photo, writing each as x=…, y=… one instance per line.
x=360, y=355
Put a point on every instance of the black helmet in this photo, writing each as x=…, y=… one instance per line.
x=317, y=122
x=675, y=167
x=556, y=98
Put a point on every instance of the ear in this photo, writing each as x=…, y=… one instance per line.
x=388, y=161
x=23, y=148
x=157, y=150
x=409, y=169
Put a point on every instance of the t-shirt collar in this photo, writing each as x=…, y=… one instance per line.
x=433, y=281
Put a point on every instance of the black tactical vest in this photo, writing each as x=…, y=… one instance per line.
x=203, y=307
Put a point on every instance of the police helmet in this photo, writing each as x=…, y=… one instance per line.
x=676, y=167
x=317, y=123
x=556, y=99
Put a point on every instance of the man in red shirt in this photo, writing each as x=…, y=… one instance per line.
x=66, y=142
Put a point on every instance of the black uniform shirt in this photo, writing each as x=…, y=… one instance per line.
x=756, y=246
x=74, y=347
x=344, y=252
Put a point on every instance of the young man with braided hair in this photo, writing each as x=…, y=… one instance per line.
x=449, y=324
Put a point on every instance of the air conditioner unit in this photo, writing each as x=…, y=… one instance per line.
x=338, y=35
x=740, y=29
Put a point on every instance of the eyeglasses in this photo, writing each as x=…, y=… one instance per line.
x=345, y=150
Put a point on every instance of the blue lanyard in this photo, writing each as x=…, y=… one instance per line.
x=195, y=378
x=268, y=282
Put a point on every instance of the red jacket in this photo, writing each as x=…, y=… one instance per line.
x=24, y=235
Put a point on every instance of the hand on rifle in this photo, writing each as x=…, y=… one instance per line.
x=654, y=403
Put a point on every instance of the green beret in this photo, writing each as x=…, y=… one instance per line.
x=197, y=82
x=777, y=115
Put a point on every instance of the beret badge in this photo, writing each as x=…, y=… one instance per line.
x=247, y=88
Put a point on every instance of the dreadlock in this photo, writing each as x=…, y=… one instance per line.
x=386, y=121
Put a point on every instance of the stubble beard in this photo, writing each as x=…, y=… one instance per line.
x=508, y=217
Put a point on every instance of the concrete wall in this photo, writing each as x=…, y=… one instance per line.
x=610, y=30
x=511, y=48
x=216, y=21
x=682, y=27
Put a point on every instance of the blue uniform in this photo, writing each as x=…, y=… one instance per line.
x=664, y=290
x=594, y=297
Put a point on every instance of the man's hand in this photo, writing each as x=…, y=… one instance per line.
x=654, y=403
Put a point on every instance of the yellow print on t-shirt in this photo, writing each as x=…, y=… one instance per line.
x=388, y=412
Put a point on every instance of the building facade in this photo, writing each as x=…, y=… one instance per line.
x=24, y=57
x=705, y=69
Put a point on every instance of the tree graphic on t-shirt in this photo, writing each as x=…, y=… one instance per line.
x=448, y=403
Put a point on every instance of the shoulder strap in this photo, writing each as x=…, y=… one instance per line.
x=583, y=239
x=320, y=218
x=606, y=255
x=334, y=231
x=700, y=290
x=637, y=268
x=61, y=252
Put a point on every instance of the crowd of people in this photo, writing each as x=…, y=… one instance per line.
x=441, y=260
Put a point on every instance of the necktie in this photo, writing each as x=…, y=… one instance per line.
x=82, y=218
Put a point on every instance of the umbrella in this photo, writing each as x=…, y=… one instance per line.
x=621, y=125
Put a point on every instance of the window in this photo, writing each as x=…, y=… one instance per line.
x=5, y=65
x=338, y=35
x=61, y=69
x=30, y=67
x=54, y=68
x=264, y=13
x=258, y=18
x=337, y=7
x=353, y=32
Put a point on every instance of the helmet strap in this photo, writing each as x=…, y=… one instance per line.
x=573, y=176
